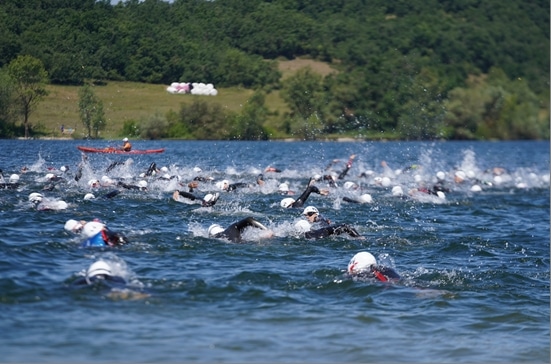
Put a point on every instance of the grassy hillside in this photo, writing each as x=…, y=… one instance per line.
x=124, y=101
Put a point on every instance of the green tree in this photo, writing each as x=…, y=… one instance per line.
x=91, y=111
x=154, y=127
x=304, y=95
x=248, y=124
x=7, y=115
x=30, y=79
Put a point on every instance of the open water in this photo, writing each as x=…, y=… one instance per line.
x=474, y=266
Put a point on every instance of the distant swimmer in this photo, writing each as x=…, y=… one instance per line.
x=235, y=230
x=225, y=185
x=42, y=203
x=12, y=184
x=347, y=167
x=299, y=202
x=364, y=198
x=305, y=227
x=100, y=272
x=97, y=234
x=364, y=265
x=111, y=275
x=207, y=201
x=141, y=186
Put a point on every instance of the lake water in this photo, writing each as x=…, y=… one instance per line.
x=474, y=266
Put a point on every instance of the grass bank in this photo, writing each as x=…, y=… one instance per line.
x=123, y=101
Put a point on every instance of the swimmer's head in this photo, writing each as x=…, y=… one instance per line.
x=366, y=198
x=283, y=187
x=302, y=226
x=215, y=229
x=35, y=197
x=73, y=226
x=92, y=229
x=287, y=202
x=361, y=262
x=98, y=268
x=310, y=210
x=223, y=185
x=125, y=140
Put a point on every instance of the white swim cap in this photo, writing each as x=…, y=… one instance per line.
x=125, y=140
x=197, y=169
x=302, y=226
x=309, y=210
x=89, y=196
x=97, y=268
x=283, y=187
x=35, y=197
x=397, y=191
x=385, y=181
x=361, y=262
x=92, y=228
x=64, y=168
x=14, y=178
x=366, y=198
x=142, y=184
x=441, y=194
x=223, y=185
x=476, y=188
x=72, y=225
x=460, y=175
x=287, y=202
x=93, y=183
x=441, y=175
x=215, y=229
x=164, y=169
x=350, y=185
x=211, y=197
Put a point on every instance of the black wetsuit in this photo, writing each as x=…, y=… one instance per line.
x=302, y=199
x=331, y=230
x=130, y=187
x=234, y=231
x=192, y=197
x=234, y=186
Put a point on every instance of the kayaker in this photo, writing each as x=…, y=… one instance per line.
x=127, y=147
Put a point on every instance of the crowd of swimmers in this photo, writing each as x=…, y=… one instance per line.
x=312, y=224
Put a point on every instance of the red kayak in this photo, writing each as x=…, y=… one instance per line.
x=113, y=150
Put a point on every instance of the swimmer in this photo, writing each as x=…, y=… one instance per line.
x=100, y=272
x=347, y=167
x=207, y=201
x=97, y=234
x=42, y=203
x=141, y=186
x=299, y=202
x=312, y=216
x=364, y=265
x=234, y=231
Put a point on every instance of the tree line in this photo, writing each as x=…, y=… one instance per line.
x=418, y=69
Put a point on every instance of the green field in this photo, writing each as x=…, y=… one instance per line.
x=124, y=101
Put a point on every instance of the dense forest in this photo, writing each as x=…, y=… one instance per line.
x=407, y=69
